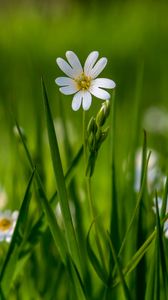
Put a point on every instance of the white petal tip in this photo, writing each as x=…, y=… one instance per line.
x=58, y=60
x=68, y=52
x=75, y=108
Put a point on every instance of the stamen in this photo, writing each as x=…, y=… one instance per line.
x=83, y=82
x=5, y=224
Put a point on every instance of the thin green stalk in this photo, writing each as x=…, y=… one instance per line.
x=93, y=213
x=84, y=139
x=119, y=268
x=89, y=194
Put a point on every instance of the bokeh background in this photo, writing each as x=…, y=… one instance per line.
x=131, y=34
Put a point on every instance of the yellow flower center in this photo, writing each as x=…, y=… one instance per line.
x=5, y=224
x=83, y=82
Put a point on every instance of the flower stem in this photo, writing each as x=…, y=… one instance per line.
x=84, y=139
x=89, y=194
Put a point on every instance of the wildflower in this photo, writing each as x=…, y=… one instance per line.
x=153, y=172
x=165, y=228
x=83, y=82
x=149, y=121
x=7, y=225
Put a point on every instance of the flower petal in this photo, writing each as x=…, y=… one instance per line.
x=65, y=67
x=87, y=100
x=64, y=81
x=98, y=68
x=99, y=93
x=90, y=61
x=74, y=62
x=104, y=83
x=68, y=90
x=77, y=100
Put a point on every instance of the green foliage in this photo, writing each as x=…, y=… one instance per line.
x=59, y=250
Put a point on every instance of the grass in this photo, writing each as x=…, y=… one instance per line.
x=118, y=250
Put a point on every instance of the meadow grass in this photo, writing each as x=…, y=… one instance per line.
x=87, y=228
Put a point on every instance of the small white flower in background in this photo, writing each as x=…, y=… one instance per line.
x=152, y=114
x=165, y=228
x=7, y=224
x=83, y=82
x=155, y=178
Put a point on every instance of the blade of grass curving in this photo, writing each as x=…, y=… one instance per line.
x=73, y=192
x=52, y=222
x=119, y=269
x=60, y=180
x=135, y=259
x=10, y=262
x=153, y=284
x=165, y=197
x=100, y=271
x=161, y=255
x=140, y=232
x=150, y=290
x=55, y=230
x=40, y=225
x=136, y=207
x=77, y=280
x=157, y=253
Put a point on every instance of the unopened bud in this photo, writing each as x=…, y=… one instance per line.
x=103, y=113
x=91, y=141
x=92, y=127
x=103, y=136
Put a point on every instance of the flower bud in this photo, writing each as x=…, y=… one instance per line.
x=103, y=113
x=103, y=136
x=92, y=127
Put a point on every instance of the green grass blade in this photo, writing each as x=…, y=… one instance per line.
x=11, y=259
x=119, y=269
x=100, y=271
x=161, y=255
x=52, y=223
x=158, y=247
x=136, y=207
x=60, y=180
x=77, y=280
x=114, y=231
x=140, y=232
x=153, y=284
x=165, y=197
x=131, y=265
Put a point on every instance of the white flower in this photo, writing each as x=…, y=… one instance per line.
x=156, y=120
x=153, y=172
x=165, y=228
x=7, y=224
x=82, y=82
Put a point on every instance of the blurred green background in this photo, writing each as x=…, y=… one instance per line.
x=131, y=34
